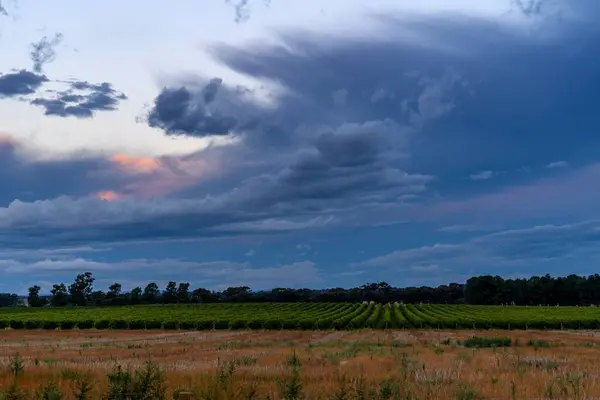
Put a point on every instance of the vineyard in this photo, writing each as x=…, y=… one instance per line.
x=307, y=316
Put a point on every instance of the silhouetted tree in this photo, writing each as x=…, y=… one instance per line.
x=114, y=293
x=59, y=296
x=81, y=289
x=151, y=293
x=136, y=295
x=183, y=292
x=34, y=299
x=170, y=293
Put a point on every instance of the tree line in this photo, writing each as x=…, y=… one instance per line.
x=480, y=290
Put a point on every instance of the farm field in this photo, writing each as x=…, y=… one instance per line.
x=367, y=364
x=302, y=316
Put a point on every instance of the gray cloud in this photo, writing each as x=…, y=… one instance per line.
x=511, y=248
x=20, y=83
x=210, y=110
x=43, y=51
x=215, y=275
x=315, y=162
x=303, y=161
x=81, y=100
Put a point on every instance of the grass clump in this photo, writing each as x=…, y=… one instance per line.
x=483, y=342
x=538, y=343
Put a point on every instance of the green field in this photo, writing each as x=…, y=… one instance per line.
x=302, y=316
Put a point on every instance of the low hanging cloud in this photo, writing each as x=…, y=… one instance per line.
x=516, y=248
x=215, y=275
x=43, y=51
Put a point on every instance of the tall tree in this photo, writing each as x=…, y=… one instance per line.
x=59, y=296
x=8, y=299
x=201, y=295
x=151, y=293
x=170, y=294
x=33, y=298
x=81, y=289
x=114, y=293
x=183, y=292
x=135, y=297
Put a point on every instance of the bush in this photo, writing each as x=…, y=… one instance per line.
x=33, y=324
x=153, y=324
x=85, y=324
x=203, y=325
x=237, y=324
x=67, y=324
x=50, y=325
x=48, y=391
x=119, y=324
x=14, y=324
x=102, y=324
x=170, y=325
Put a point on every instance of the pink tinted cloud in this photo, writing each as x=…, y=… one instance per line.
x=108, y=195
x=155, y=177
x=136, y=164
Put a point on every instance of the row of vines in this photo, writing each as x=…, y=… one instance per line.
x=306, y=316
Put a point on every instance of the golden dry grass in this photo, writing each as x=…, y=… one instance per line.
x=422, y=363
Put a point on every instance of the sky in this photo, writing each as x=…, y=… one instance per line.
x=298, y=143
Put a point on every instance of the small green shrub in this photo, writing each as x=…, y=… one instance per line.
x=538, y=343
x=481, y=342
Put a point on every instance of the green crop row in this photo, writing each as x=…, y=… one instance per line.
x=302, y=316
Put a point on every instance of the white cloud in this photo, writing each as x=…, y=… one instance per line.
x=482, y=176
x=558, y=164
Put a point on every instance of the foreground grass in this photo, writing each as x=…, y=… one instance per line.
x=293, y=365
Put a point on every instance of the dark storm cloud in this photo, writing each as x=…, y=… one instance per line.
x=347, y=168
x=43, y=51
x=322, y=156
x=202, y=113
x=327, y=82
x=20, y=83
x=81, y=100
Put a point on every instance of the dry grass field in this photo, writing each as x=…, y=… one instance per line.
x=409, y=364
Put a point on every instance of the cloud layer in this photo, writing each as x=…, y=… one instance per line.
x=430, y=124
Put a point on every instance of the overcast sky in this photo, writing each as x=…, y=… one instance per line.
x=298, y=143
